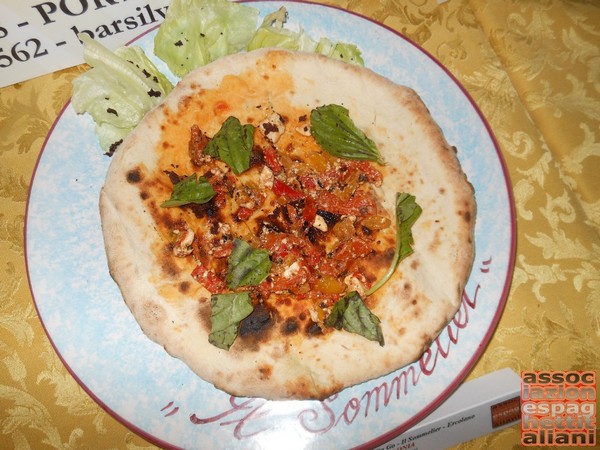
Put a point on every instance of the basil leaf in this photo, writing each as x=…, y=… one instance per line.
x=407, y=213
x=247, y=266
x=190, y=190
x=334, y=130
x=227, y=311
x=232, y=144
x=351, y=314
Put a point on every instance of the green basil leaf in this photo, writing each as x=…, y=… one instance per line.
x=232, y=144
x=407, y=213
x=334, y=130
x=227, y=311
x=351, y=314
x=190, y=190
x=247, y=266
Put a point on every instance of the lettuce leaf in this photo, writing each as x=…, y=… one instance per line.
x=118, y=90
x=343, y=51
x=272, y=33
x=196, y=32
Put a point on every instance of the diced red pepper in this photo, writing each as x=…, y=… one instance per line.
x=360, y=204
x=208, y=279
x=352, y=249
x=284, y=190
x=309, y=182
x=244, y=213
x=310, y=210
x=272, y=160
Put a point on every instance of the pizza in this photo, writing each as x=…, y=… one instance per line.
x=289, y=225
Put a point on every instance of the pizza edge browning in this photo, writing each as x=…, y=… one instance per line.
x=279, y=372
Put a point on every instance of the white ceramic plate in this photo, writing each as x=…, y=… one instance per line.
x=158, y=396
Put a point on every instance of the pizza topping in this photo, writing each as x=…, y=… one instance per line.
x=183, y=247
x=304, y=130
x=407, y=212
x=233, y=144
x=227, y=311
x=334, y=130
x=351, y=314
x=198, y=142
x=190, y=190
x=272, y=127
x=286, y=221
x=247, y=266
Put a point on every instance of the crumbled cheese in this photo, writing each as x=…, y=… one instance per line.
x=319, y=223
x=272, y=127
x=184, y=246
x=291, y=270
x=354, y=284
x=265, y=180
x=304, y=130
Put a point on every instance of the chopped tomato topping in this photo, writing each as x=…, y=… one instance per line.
x=272, y=160
x=208, y=279
x=244, y=213
x=360, y=204
x=284, y=190
x=310, y=210
x=354, y=248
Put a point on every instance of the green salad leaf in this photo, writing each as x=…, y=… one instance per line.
x=247, y=266
x=407, y=213
x=233, y=144
x=343, y=51
x=196, y=32
x=227, y=311
x=334, y=130
x=118, y=90
x=351, y=314
x=190, y=190
x=272, y=33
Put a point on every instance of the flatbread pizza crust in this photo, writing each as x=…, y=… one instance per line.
x=283, y=362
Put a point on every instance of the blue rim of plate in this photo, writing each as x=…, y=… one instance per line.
x=157, y=396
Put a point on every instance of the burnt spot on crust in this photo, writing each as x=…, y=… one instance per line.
x=466, y=213
x=256, y=328
x=169, y=268
x=290, y=326
x=184, y=287
x=204, y=312
x=134, y=176
x=265, y=371
x=313, y=329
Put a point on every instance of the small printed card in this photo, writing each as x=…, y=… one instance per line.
x=40, y=36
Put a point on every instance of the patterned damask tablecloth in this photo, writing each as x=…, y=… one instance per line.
x=532, y=67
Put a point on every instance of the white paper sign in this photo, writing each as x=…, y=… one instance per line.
x=40, y=36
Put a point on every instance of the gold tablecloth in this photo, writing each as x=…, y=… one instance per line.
x=533, y=68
